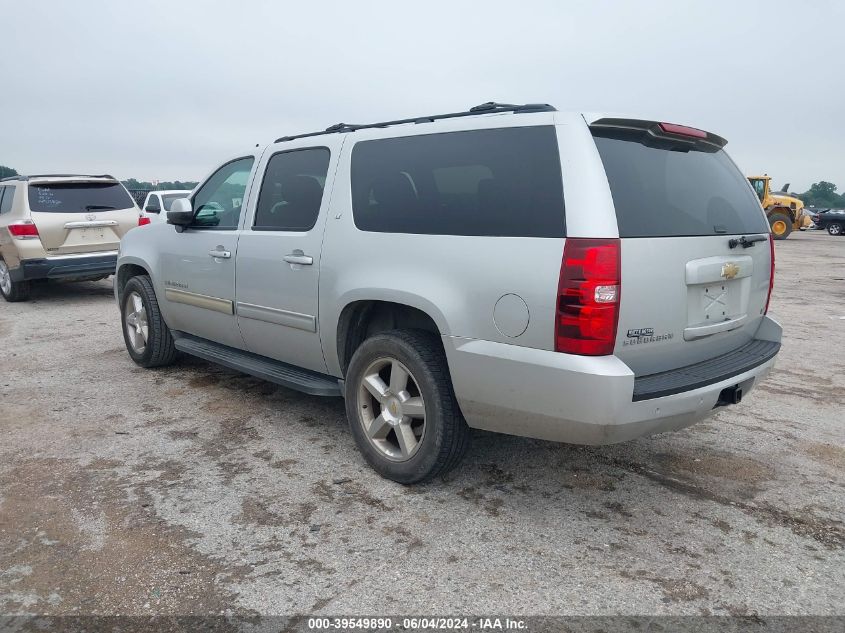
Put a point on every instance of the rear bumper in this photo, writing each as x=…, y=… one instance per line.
x=66, y=266
x=579, y=399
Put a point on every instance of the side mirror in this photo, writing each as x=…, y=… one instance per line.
x=181, y=213
x=152, y=208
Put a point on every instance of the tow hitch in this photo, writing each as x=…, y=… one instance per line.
x=728, y=396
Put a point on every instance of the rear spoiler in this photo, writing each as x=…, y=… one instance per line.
x=26, y=178
x=71, y=180
x=656, y=134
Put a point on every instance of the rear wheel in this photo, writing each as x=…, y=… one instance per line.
x=401, y=407
x=147, y=337
x=834, y=228
x=781, y=225
x=12, y=290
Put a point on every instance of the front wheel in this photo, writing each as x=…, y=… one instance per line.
x=401, y=407
x=147, y=337
x=834, y=228
x=12, y=290
x=781, y=225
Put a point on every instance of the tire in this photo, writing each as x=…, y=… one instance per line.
x=12, y=291
x=834, y=228
x=441, y=434
x=156, y=349
x=781, y=225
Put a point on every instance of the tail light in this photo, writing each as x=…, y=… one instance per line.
x=683, y=130
x=771, y=272
x=23, y=230
x=143, y=220
x=588, y=297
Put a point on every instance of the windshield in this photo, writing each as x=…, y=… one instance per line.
x=78, y=197
x=660, y=192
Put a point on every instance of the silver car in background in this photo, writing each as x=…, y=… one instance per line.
x=572, y=277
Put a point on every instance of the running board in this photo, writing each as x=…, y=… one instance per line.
x=259, y=366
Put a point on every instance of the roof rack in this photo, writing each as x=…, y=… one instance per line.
x=26, y=178
x=490, y=107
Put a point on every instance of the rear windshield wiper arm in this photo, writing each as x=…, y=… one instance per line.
x=101, y=207
x=747, y=242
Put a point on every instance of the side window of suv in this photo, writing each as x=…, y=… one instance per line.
x=217, y=204
x=292, y=190
x=496, y=182
x=7, y=196
x=152, y=200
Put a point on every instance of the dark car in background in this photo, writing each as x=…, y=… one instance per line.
x=830, y=220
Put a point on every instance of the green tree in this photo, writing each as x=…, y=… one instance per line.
x=822, y=194
x=132, y=183
x=5, y=172
x=823, y=189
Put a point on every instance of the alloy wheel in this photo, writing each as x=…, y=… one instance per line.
x=5, y=279
x=135, y=323
x=391, y=409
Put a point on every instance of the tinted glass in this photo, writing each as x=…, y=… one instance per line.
x=152, y=200
x=664, y=193
x=7, y=196
x=168, y=198
x=481, y=182
x=78, y=197
x=217, y=204
x=292, y=190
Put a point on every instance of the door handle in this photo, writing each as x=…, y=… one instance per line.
x=299, y=258
x=221, y=254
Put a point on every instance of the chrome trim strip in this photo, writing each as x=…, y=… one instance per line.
x=59, y=258
x=90, y=224
x=198, y=301
x=277, y=316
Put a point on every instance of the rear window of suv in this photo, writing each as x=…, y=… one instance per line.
x=78, y=197
x=660, y=192
x=499, y=182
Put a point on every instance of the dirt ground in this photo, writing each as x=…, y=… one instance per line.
x=196, y=490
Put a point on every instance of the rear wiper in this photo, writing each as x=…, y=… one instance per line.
x=747, y=242
x=101, y=207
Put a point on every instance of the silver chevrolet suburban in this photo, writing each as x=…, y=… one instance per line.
x=564, y=276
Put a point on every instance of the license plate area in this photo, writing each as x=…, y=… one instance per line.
x=90, y=235
x=717, y=302
x=718, y=291
x=86, y=235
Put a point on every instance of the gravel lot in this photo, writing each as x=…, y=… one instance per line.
x=195, y=490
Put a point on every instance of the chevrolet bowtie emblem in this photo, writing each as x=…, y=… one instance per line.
x=729, y=271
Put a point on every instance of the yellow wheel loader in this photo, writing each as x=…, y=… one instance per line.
x=785, y=212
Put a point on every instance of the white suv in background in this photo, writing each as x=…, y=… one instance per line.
x=157, y=203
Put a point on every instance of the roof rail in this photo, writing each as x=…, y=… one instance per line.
x=490, y=107
x=27, y=177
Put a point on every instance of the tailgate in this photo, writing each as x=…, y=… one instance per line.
x=694, y=245
x=687, y=299
x=81, y=216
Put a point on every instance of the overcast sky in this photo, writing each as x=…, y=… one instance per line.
x=167, y=90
